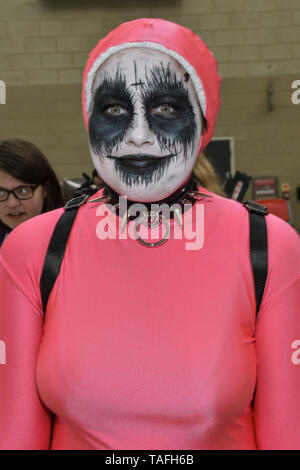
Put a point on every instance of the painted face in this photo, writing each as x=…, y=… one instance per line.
x=144, y=124
x=14, y=211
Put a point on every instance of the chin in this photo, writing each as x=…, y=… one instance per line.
x=145, y=193
x=146, y=196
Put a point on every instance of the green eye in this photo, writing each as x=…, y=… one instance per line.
x=116, y=110
x=164, y=109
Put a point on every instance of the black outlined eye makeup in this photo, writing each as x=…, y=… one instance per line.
x=164, y=105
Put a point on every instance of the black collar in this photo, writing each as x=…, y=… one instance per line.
x=185, y=197
x=180, y=196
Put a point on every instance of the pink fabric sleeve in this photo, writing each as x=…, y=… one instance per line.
x=277, y=404
x=24, y=422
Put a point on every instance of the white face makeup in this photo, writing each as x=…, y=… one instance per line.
x=144, y=124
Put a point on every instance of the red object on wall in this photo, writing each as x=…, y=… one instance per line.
x=265, y=187
x=279, y=207
x=285, y=191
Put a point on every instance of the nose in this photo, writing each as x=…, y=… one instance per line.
x=12, y=201
x=139, y=134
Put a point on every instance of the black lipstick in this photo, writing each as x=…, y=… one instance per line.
x=141, y=161
x=141, y=168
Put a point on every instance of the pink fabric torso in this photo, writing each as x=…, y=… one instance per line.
x=149, y=348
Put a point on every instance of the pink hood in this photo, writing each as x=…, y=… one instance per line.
x=179, y=42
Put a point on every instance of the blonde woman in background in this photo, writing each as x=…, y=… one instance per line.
x=206, y=176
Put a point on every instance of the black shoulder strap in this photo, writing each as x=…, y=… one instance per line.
x=258, y=247
x=57, y=246
x=59, y=239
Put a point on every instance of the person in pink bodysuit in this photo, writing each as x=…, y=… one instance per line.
x=146, y=347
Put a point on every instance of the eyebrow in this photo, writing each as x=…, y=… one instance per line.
x=159, y=80
x=115, y=86
x=162, y=78
x=162, y=82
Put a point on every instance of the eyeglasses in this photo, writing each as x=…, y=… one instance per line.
x=21, y=192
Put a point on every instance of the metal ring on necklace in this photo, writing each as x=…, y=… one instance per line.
x=151, y=219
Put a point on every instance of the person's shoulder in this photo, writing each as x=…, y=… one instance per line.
x=281, y=231
x=283, y=256
x=29, y=241
x=36, y=228
x=282, y=237
x=221, y=201
x=283, y=244
x=223, y=209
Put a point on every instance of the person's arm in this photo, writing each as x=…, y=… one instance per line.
x=277, y=403
x=24, y=422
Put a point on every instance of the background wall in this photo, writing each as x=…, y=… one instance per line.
x=44, y=46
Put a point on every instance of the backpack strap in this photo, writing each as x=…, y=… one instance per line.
x=57, y=246
x=59, y=239
x=258, y=247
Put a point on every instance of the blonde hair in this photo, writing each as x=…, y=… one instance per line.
x=206, y=176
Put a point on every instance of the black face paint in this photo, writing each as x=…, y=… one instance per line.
x=175, y=132
x=141, y=168
x=107, y=131
x=136, y=83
